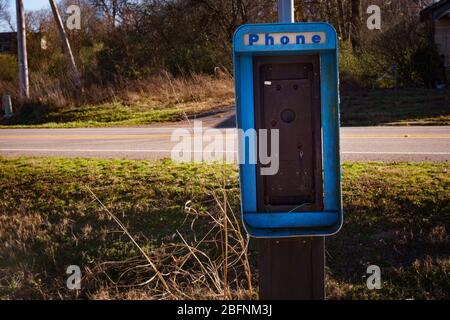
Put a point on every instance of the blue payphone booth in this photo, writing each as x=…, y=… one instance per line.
x=286, y=82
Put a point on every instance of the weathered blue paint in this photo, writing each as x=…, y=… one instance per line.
x=330, y=44
x=247, y=122
x=280, y=220
x=276, y=224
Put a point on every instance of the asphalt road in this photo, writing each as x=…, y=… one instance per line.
x=154, y=142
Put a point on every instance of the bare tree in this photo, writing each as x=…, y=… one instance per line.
x=227, y=15
x=341, y=18
x=3, y=6
x=115, y=11
x=5, y=17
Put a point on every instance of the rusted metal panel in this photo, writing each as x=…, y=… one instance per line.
x=287, y=98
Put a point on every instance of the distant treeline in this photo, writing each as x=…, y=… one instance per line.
x=121, y=40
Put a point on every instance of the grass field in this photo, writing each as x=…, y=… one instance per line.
x=397, y=216
x=154, y=100
x=378, y=107
x=114, y=114
x=402, y=107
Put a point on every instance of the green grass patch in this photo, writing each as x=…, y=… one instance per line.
x=397, y=216
x=33, y=115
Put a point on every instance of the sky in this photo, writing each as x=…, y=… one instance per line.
x=30, y=5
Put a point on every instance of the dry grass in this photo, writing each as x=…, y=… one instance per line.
x=156, y=99
x=198, y=87
x=184, y=252
x=186, y=269
x=161, y=87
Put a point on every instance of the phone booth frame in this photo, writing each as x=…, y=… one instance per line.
x=290, y=224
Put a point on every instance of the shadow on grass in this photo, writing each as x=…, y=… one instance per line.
x=397, y=216
x=396, y=107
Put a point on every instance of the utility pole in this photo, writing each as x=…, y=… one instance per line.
x=66, y=45
x=24, y=84
x=291, y=268
x=286, y=11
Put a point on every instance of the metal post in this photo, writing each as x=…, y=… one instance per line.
x=24, y=85
x=66, y=45
x=7, y=106
x=286, y=11
x=291, y=268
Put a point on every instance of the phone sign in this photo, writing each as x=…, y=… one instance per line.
x=285, y=39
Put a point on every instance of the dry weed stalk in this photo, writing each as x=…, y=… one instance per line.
x=161, y=278
x=213, y=266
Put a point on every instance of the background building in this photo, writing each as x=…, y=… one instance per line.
x=8, y=42
x=438, y=17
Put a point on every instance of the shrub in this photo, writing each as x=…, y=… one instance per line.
x=358, y=69
x=428, y=65
x=8, y=67
x=408, y=46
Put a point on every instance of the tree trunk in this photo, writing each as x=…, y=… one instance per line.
x=356, y=24
x=341, y=19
